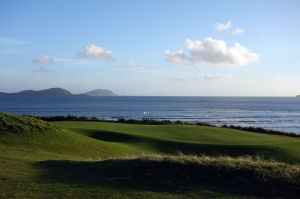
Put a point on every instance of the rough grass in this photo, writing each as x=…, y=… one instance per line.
x=187, y=167
x=25, y=125
x=239, y=177
x=253, y=167
x=104, y=160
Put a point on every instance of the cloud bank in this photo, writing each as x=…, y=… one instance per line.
x=212, y=52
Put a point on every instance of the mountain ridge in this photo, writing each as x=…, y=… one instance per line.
x=57, y=91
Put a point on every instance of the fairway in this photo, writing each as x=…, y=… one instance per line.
x=80, y=159
x=189, y=139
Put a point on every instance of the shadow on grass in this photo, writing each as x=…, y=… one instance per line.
x=163, y=176
x=110, y=136
x=174, y=147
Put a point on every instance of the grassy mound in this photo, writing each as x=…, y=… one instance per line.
x=31, y=138
x=25, y=125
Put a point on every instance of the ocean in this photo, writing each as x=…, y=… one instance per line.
x=276, y=113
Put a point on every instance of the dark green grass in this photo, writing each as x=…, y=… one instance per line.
x=181, y=174
x=75, y=159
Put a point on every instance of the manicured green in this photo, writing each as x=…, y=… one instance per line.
x=189, y=139
x=74, y=159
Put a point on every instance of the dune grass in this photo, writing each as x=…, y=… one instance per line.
x=73, y=159
x=182, y=175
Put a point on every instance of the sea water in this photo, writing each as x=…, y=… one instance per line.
x=277, y=113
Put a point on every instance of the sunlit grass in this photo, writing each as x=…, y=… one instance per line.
x=75, y=159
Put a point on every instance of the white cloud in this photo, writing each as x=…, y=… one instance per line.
x=176, y=78
x=132, y=64
x=223, y=26
x=95, y=52
x=212, y=52
x=217, y=77
x=227, y=26
x=43, y=60
x=175, y=57
x=238, y=31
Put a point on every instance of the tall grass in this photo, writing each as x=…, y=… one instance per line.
x=248, y=166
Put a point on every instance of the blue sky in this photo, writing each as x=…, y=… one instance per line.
x=136, y=47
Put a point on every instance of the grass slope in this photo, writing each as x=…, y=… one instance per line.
x=189, y=139
x=106, y=160
x=27, y=137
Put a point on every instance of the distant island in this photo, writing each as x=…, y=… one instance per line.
x=297, y=95
x=60, y=92
x=100, y=92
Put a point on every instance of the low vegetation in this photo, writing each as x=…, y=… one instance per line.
x=181, y=176
x=16, y=124
x=88, y=159
x=260, y=130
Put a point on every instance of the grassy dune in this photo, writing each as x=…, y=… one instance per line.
x=107, y=160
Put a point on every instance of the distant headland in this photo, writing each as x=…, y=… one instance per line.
x=61, y=92
x=297, y=95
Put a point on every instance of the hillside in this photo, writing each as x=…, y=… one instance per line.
x=46, y=92
x=100, y=92
x=73, y=159
x=59, y=92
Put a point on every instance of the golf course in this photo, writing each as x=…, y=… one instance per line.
x=93, y=159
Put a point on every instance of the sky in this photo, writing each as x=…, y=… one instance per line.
x=152, y=48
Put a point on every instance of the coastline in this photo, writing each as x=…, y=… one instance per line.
x=278, y=114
